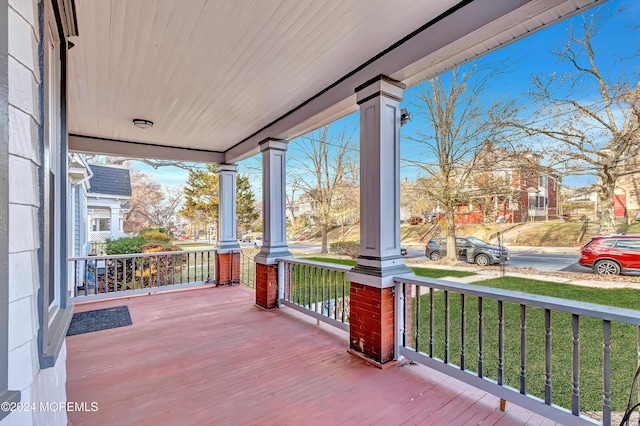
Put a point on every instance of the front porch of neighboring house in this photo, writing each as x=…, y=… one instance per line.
x=99, y=200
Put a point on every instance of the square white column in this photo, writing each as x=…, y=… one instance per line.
x=379, y=100
x=114, y=224
x=227, y=240
x=274, y=219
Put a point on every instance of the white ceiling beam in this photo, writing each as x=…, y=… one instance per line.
x=120, y=148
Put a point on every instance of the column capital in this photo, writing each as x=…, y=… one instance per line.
x=279, y=144
x=380, y=86
x=224, y=167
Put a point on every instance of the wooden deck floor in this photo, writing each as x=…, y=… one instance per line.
x=208, y=356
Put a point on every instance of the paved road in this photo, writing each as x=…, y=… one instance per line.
x=547, y=262
x=539, y=261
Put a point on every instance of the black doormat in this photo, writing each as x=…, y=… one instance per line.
x=99, y=319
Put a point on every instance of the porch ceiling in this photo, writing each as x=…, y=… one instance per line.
x=221, y=76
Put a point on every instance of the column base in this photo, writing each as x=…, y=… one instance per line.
x=228, y=268
x=371, y=331
x=372, y=362
x=267, y=285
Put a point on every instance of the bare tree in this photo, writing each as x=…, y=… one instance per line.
x=151, y=204
x=294, y=184
x=591, y=120
x=326, y=157
x=155, y=163
x=455, y=111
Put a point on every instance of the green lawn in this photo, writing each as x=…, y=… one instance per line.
x=421, y=272
x=624, y=355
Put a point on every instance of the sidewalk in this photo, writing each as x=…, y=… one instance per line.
x=486, y=274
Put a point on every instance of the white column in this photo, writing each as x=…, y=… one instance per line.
x=114, y=224
x=227, y=240
x=274, y=225
x=380, y=259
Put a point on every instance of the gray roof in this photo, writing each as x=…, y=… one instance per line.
x=110, y=181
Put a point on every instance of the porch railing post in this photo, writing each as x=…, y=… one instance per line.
x=399, y=312
x=282, y=276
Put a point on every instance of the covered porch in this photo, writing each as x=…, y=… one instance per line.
x=215, y=358
x=227, y=355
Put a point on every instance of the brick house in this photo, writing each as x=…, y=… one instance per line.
x=510, y=190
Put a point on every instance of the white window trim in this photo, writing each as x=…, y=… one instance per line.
x=54, y=316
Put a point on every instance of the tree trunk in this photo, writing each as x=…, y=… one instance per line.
x=606, y=207
x=324, y=238
x=449, y=229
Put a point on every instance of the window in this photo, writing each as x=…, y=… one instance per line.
x=100, y=224
x=54, y=317
x=629, y=244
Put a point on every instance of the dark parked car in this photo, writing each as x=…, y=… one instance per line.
x=612, y=255
x=470, y=249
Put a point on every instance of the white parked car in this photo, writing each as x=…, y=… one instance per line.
x=258, y=241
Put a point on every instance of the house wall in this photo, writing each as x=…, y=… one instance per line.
x=630, y=185
x=36, y=385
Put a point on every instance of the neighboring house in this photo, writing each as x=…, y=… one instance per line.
x=344, y=206
x=626, y=195
x=581, y=201
x=78, y=188
x=98, y=197
x=304, y=206
x=510, y=189
x=107, y=202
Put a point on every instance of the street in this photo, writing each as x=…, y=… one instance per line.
x=539, y=261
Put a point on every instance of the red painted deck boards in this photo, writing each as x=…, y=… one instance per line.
x=209, y=356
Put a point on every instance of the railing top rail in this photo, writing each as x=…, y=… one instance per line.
x=128, y=256
x=609, y=313
x=326, y=265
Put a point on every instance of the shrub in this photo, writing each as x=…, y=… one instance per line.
x=155, y=247
x=415, y=220
x=126, y=245
x=346, y=248
x=155, y=234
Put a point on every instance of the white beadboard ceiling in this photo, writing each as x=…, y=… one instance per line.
x=223, y=75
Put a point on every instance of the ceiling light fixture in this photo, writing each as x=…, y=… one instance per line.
x=142, y=124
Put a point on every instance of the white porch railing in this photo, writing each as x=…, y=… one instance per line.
x=444, y=326
x=119, y=275
x=317, y=289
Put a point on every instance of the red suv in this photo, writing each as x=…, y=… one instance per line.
x=612, y=254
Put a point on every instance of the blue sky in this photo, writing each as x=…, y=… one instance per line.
x=526, y=57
